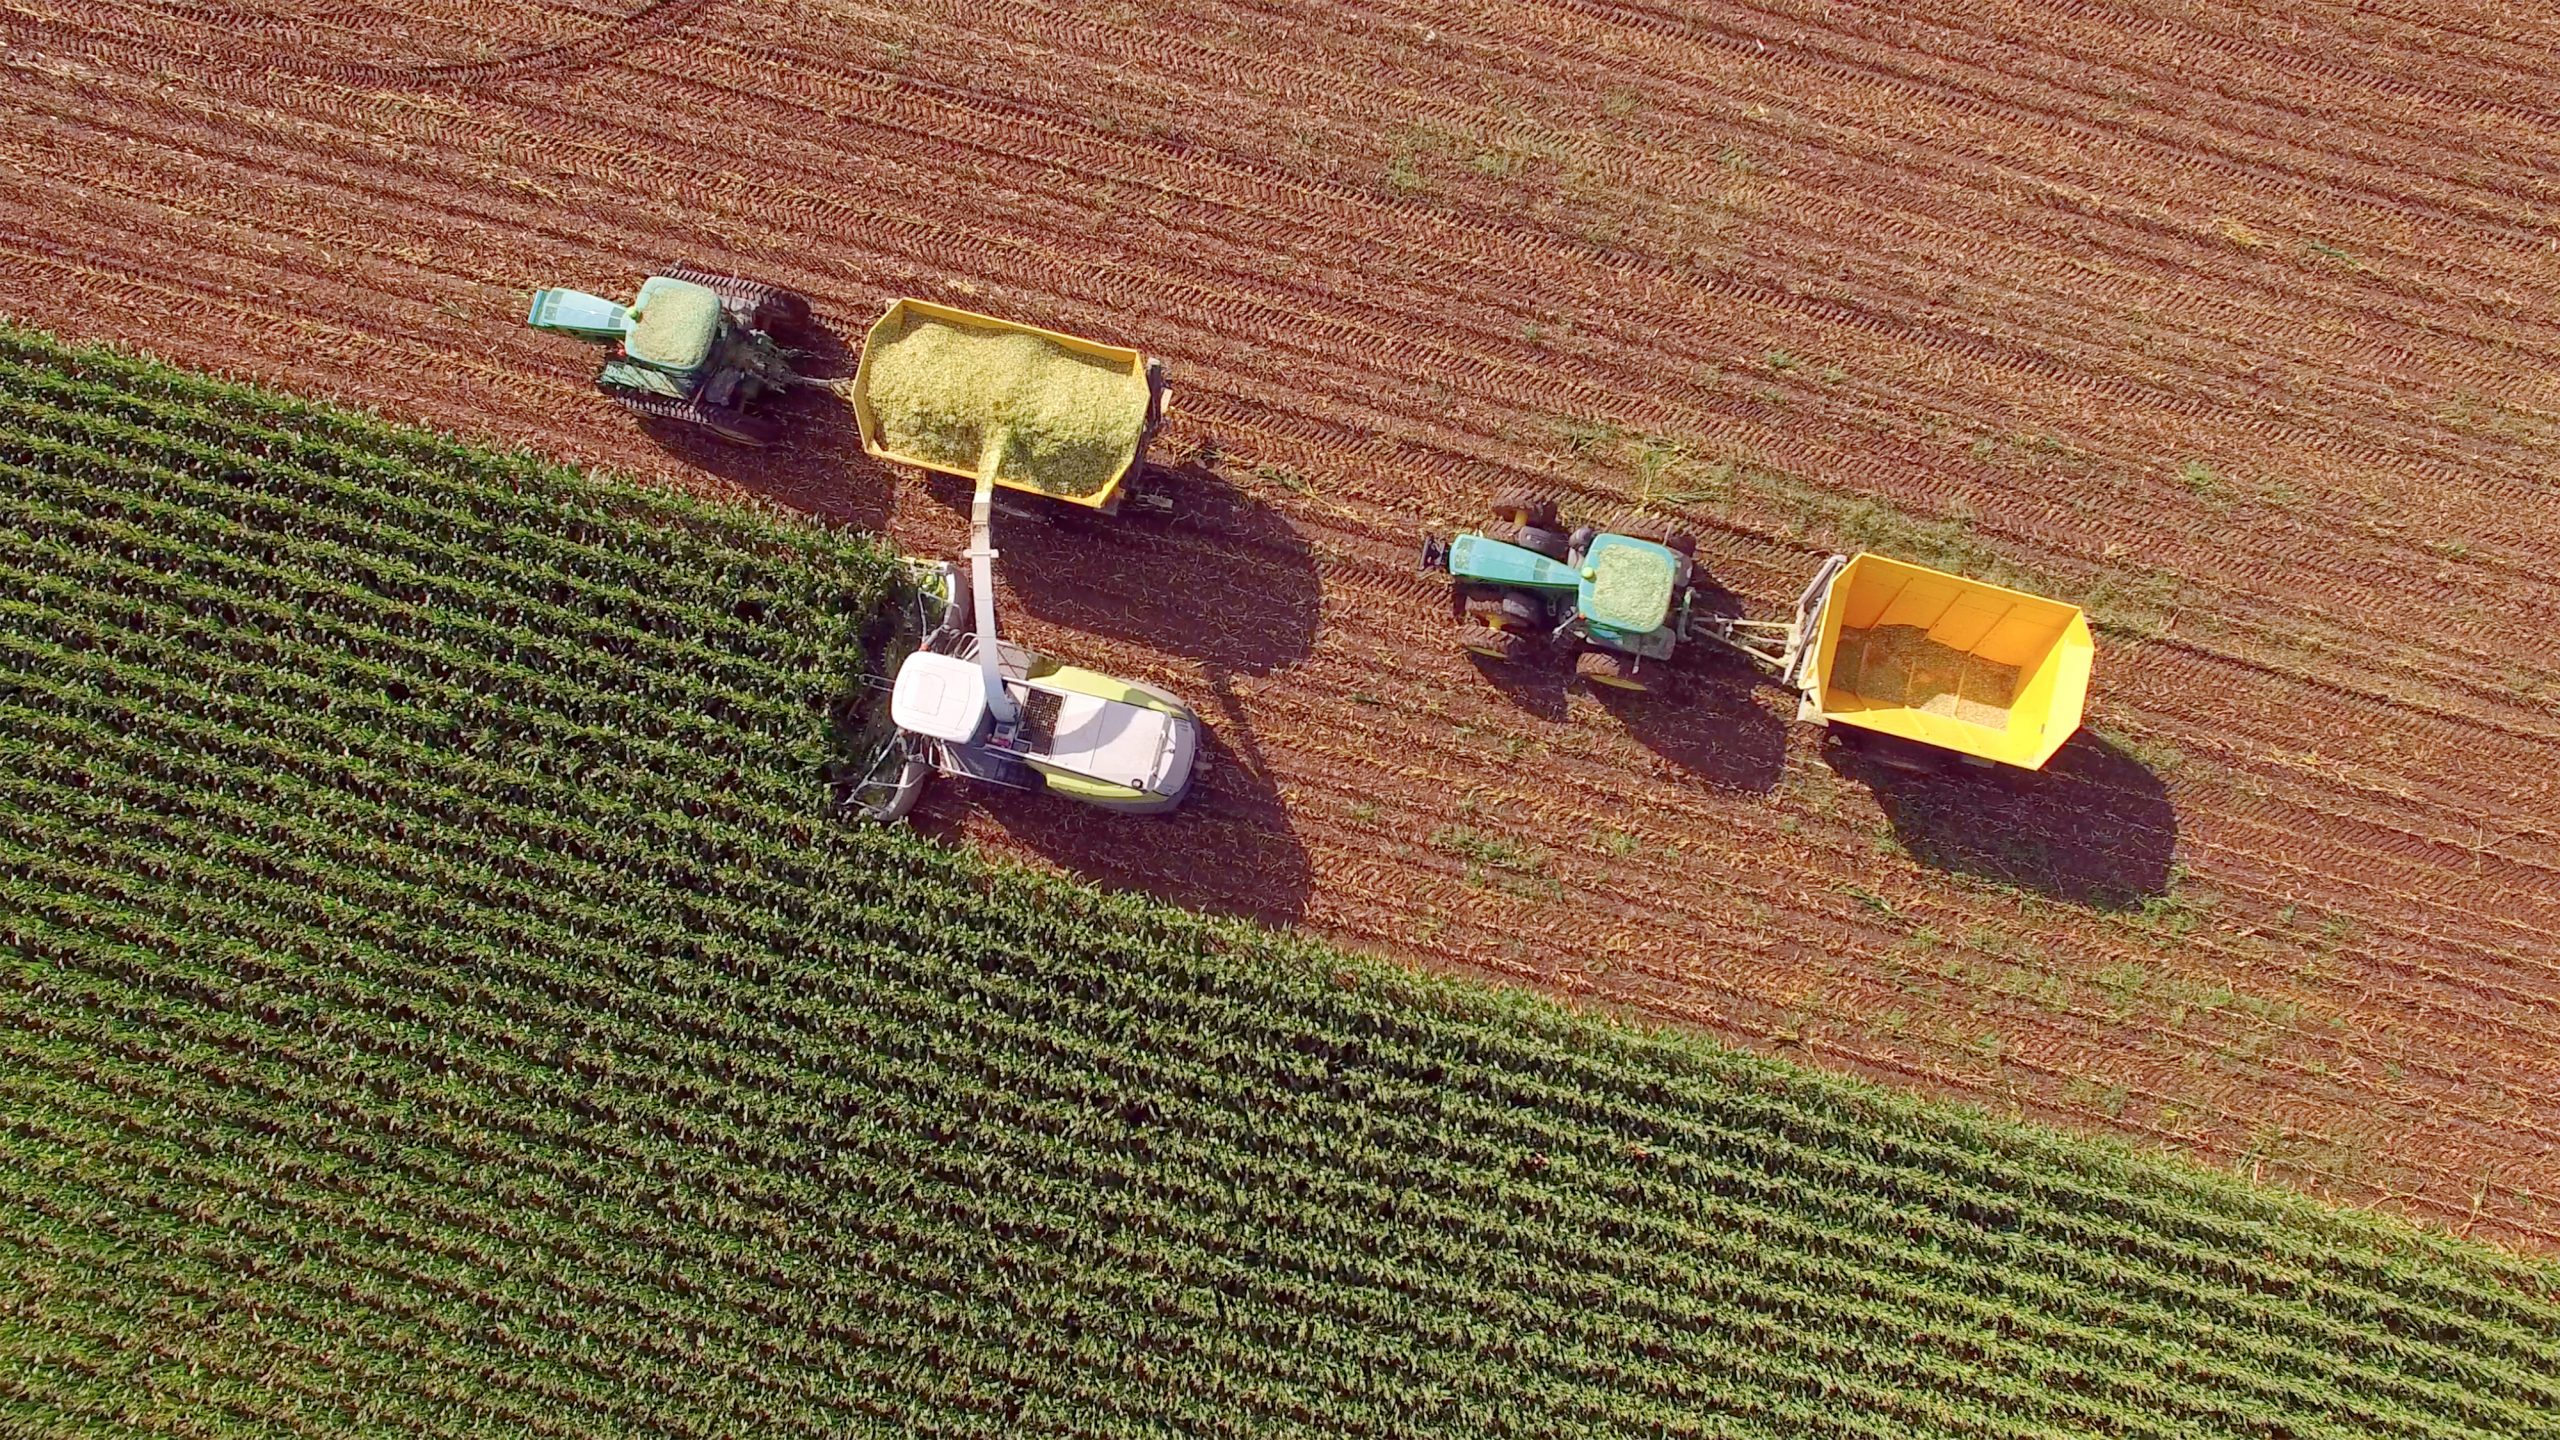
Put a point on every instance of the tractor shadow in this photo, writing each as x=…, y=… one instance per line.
x=1230, y=849
x=1223, y=581
x=1709, y=722
x=819, y=469
x=2094, y=828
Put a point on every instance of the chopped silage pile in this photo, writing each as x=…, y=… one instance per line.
x=1068, y=422
x=1901, y=665
x=1630, y=582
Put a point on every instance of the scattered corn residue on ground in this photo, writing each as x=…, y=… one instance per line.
x=1901, y=665
x=1068, y=422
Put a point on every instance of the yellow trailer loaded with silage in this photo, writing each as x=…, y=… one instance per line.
x=1053, y=415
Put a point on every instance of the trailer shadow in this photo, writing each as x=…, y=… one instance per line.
x=1230, y=849
x=2095, y=827
x=1224, y=580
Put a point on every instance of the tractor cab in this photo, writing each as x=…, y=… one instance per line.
x=1628, y=589
x=1622, y=602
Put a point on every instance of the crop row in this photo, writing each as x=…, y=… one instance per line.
x=430, y=1003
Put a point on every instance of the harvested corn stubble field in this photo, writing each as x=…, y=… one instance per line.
x=434, y=1000
x=2235, y=324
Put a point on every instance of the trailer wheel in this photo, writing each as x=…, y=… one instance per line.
x=1892, y=752
x=1525, y=507
x=1535, y=539
x=1615, y=669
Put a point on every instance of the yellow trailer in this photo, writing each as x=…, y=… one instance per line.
x=1883, y=647
x=1064, y=418
x=1921, y=655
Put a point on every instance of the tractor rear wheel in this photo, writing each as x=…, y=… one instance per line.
x=785, y=315
x=1535, y=539
x=1525, y=507
x=1490, y=642
x=1615, y=669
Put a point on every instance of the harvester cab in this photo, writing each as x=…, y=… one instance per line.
x=968, y=704
x=1623, y=602
x=692, y=348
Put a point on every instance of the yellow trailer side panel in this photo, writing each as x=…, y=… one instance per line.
x=1967, y=666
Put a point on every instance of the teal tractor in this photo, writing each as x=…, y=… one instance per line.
x=1623, y=602
x=692, y=348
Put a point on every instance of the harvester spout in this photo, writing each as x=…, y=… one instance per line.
x=982, y=583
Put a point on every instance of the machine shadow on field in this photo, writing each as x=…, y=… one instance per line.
x=1705, y=718
x=2095, y=827
x=1230, y=849
x=1223, y=581
x=819, y=468
x=1709, y=722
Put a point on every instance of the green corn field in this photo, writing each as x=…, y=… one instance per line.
x=435, y=999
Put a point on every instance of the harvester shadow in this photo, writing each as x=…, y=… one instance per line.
x=1230, y=849
x=2095, y=827
x=1223, y=581
x=819, y=469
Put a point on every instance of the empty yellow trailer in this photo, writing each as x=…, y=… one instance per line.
x=1982, y=670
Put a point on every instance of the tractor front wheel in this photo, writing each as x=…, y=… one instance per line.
x=1615, y=669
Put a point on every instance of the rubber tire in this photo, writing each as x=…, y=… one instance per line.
x=1531, y=538
x=1892, y=752
x=1579, y=542
x=1614, y=669
x=785, y=315
x=1524, y=507
x=1681, y=541
x=1491, y=643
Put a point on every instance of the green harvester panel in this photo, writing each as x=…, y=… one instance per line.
x=1627, y=584
x=674, y=323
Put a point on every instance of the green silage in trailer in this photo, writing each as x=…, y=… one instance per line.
x=435, y=1000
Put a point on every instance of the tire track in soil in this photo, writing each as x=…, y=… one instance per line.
x=2381, y=914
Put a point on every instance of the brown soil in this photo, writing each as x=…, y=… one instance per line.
x=2239, y=325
